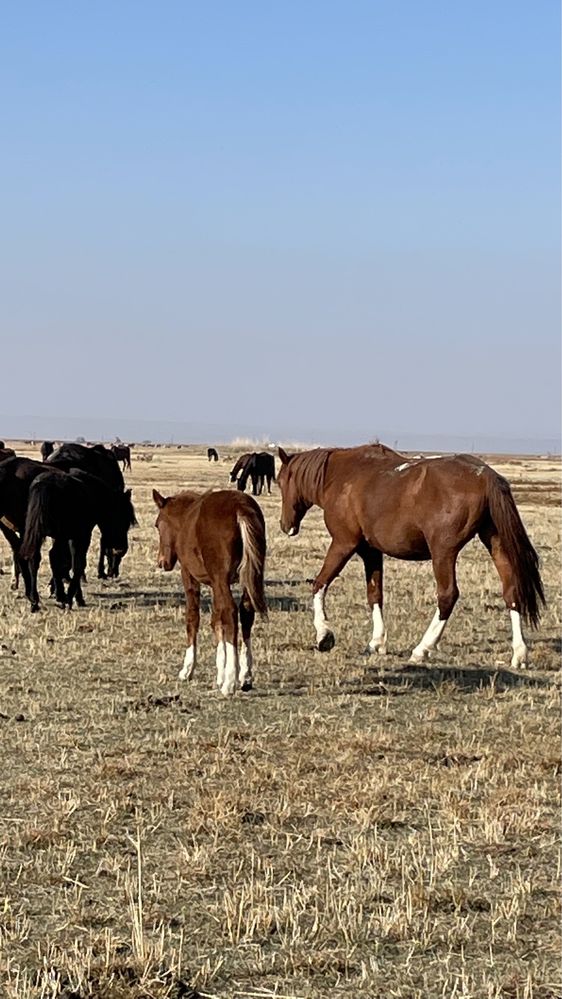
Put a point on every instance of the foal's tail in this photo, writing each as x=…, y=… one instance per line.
x=35, y=526
x=252, y=529
x=515, y=541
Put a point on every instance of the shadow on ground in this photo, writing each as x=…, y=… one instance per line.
x=398, y=680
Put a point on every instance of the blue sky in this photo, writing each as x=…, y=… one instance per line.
x=294, y=217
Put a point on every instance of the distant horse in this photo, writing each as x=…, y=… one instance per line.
x=256, y=466
x=260, y=468
x=123, y=453
x=216, y=537
x=239, y=465
x=100, y=461
x=212, y=454
x=47, y=448
x=377, y=502
x=66, y=507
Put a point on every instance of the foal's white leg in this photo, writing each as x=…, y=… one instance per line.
x=378, y=641
x=230, y=677
x=429, y=640
x=246, y=663
x=221, y=662
x=323, y=634
x=189, y=663
x=519, y=657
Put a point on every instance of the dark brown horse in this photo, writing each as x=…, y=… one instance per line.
x=377, y=502
x=216, y=537
x=212, y=454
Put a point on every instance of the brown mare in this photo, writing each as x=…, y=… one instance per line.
x=377, y=502
x=217, y=537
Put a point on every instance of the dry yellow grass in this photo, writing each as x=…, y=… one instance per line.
x=344, y=830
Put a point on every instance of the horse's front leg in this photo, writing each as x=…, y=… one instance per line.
x=14, y=543
x=337, y=556
x=192, y=601
x=373, y=562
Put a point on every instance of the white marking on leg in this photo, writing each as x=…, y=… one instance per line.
x=319, y=615
x=378, y=641
x=230, y=670
x=519, y=657
x=189, y=663
x=429, y=640
x=246, y=663
x=221, y=660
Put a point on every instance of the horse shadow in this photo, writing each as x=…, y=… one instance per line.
x=396, y=680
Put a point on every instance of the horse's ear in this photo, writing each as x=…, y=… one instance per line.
x=158, y=499
x=283, y=455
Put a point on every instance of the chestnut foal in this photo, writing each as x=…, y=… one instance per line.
x=217, y=537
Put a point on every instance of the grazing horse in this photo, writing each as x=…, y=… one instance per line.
x=212, y=454
x=256, y=466
x=377, y=502
x=122, y=452
x=66, y=507
x=216, y=537
x=96, y=460
x=260, y=467
x=47, y=448
x=239, y=466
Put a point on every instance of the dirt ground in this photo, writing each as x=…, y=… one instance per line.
x=352, y=827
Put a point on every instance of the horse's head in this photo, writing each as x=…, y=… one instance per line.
x=167, y=555
x=116, y=541
x=293, y=507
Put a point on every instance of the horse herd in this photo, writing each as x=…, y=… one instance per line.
x=376, y=502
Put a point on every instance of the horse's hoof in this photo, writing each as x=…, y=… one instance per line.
x=246, y=686
x=34, y=608
x=327, y=642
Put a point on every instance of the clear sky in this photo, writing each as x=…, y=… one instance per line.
x=297, y=217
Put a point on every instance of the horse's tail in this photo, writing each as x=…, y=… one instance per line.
x=515, y=540
x=252, y=529
x=35, y=524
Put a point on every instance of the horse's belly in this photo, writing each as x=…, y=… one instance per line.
x=410, y=545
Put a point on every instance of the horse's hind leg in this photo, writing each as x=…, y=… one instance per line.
x=247, y=616
x=225, y=624
x=373, y=561
x=444, y=568
x=491, y=540
x=58, y=569
x=192, y=601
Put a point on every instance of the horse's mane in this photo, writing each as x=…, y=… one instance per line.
x=308, y=470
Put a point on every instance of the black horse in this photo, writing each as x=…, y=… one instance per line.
x=66, y=507
x=259, y=467
x=123, y=453
x=16, y=476
x=100, y=461
x=212, y=454
x=47, y=448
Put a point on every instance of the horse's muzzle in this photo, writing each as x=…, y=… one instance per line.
x=291, y=532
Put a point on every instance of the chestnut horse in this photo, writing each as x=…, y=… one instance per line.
x=216, y=537
x=377, y=502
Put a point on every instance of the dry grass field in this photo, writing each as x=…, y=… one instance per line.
x=352, y=827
